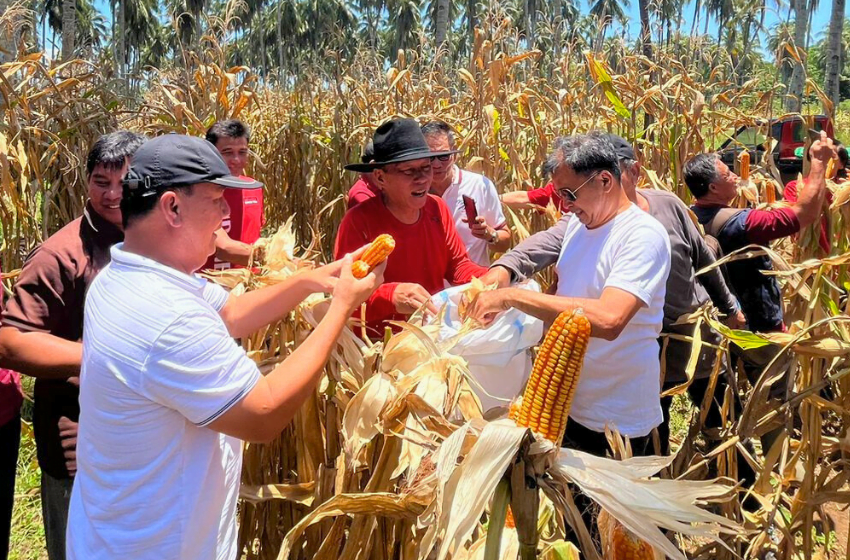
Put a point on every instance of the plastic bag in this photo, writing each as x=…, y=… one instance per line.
x=498, y=356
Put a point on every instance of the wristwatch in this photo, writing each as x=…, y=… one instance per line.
x=494, y=237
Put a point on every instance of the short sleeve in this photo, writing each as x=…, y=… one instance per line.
x=196, y=369
x=641, y=264
x=494, y=214
x=215, y=295
x=41, y=295
x=543, y=195
x=763, y=226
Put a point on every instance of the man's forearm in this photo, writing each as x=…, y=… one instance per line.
x=40, y=355
x=603, y=320
x=230, y=250
x=503, y=241
x=811, y=194
x=253, y=310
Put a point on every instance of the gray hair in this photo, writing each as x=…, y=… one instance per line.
x=584, y=153
x=432, y=128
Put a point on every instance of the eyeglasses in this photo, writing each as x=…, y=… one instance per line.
x=445, y=157
x=570, y=195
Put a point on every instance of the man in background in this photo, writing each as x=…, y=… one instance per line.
x=489, y=232
x=238, y=232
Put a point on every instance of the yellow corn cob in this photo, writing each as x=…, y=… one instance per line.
x=550, y=389
x=745, y=166
x=618, y=543
x=374, y=255
x=830, y=169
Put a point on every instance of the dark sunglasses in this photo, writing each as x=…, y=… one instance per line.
x=445, y=157
x=570, y=194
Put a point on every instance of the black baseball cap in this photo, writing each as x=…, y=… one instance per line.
x=176, y=160
x=622, y=147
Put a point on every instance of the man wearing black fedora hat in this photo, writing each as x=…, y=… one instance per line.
x=429, y=253
x=166, y=394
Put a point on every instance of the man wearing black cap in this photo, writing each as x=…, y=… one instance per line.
x=428, y=250
x=166, y=395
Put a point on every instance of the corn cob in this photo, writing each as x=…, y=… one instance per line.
x=375, y=254
x=554, y=378
x=745, y=166
x=618, y=543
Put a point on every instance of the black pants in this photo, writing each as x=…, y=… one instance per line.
x=593, y=442
x=10, y=440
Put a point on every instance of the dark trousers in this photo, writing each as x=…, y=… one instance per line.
x=590, y=441
x=10, y=440
x=55, y=500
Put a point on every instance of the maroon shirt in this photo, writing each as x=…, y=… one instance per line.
x=49, y=297
x=546, y=194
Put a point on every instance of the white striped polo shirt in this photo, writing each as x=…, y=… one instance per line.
x=158, y=366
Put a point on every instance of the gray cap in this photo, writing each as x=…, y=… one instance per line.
x=622, y=147
x=176, y=160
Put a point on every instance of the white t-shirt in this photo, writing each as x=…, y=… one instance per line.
x=620, y=381
x=158, y=366
x=482, y=190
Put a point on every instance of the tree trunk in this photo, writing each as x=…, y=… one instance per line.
x=645, y=37
x=122, y=43
x=794, y=98
x=442, y=23
x=7, y=44
x=833, y=53
x=279, y=23
x=69, y=28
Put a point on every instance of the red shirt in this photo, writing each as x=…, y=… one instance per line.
x=790, y=195
x=428, y=253
x=543, y=195
x=11, y=396
x=361, y=191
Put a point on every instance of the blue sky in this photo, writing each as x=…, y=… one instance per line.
x=820, y=22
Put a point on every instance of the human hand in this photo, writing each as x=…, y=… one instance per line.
x=68, y=439
x=487, y=305
x=736, y=320
x=349, y=291
x=324, y=278
x=823, y=149
x=408, y=298
x=480, y=229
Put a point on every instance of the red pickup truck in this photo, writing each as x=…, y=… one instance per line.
x=790, y=133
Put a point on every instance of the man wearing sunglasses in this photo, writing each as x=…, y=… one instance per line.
x=429, y=253
x=612, y=261
x=490, y=230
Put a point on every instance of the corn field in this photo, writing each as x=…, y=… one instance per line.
x=391, y=457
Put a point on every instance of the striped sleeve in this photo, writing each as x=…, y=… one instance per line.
x=197, y=369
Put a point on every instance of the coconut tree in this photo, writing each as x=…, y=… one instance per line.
x=605, y=11
x=834, y=52
x=404, y=24
x=69, y=28
x=441, y=22
x=794, y=97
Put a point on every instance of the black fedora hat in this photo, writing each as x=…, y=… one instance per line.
x=395, y=141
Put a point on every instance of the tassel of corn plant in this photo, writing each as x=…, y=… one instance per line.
x=374, y=255
x=554, y=378
x=618, y=543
